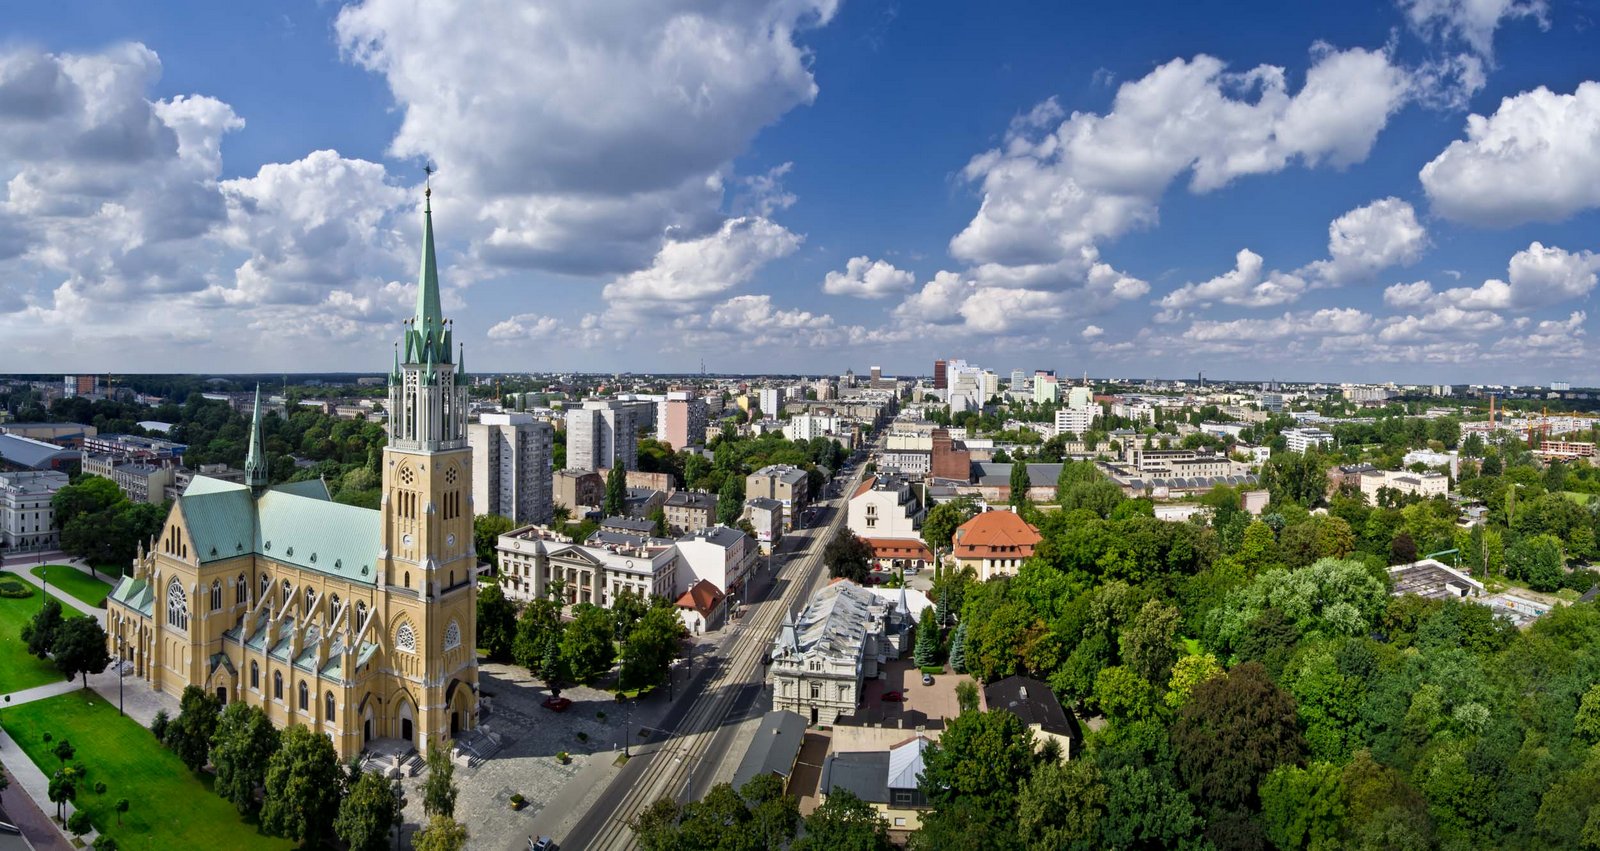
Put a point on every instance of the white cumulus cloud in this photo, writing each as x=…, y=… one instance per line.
x=1247, y=285
x=864, y=277
x=1534, y=159
x=1369, y=239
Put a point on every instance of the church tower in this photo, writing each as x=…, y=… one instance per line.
x=429, y=558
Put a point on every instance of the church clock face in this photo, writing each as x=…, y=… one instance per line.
x=406, y=539
x=450, y=540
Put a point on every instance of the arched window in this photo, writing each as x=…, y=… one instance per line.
x=240, y=590
x=216, y=594
x=408, y=579
x=333, y=608
x=361, y=615
x=177, y=605
x=327, y=707
x=287, y=590
x=452, y=636
x=266, y=585
x=405, y=639
x=277, y=685
x=305, y=697
x=311, y=599
x=255, y=676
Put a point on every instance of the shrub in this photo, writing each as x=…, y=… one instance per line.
x=158, y=725
x=600, y=715
x=932, y=669
x=100, y=787
x=79, y=823
x=49, y=737
x=12, y=587
x=561, y=757
x=104, y=843
x=582, y=736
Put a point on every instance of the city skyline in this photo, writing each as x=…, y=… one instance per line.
x=1400, y=192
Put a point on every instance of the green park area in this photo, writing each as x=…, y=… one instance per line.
x=170, y=807
x=73, y=581
x=18, y=669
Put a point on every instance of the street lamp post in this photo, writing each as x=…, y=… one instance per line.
x=122, y=649
x=627, y=723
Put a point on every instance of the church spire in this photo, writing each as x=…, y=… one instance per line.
x=256, y=473
x=429, y=316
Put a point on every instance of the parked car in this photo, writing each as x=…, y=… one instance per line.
x=543, y=843
x=893, y=697
x=558, y=704
x=927, y=679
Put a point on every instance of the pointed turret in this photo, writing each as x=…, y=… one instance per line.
x=256, y=474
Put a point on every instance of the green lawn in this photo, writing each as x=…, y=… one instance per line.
x=18, y=670
x=1579, y=498
x=65, y=577
x=171, y=807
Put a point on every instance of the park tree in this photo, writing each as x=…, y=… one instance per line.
x=63, y=788
x=1295, y=477
x=652, y=645
x=1586, y=724
x=366, y=815
x=189, y=735
x=486, y=532
x=942, y=521
x=1189, y=672
x=442, y=833
x=79, y=648
x=844, y=822
x=658, y=516
x=730, y=500
x=1149, y=644
x=439, y=791
x=552, y=668
x=774, y=815
x=39, y=633
x=1303, y=807
x=1144, y=808
x=1232, y=732
x=497, y=623
x=121, y=808
x=303, y=783
x=64, y=751
x=537, y=625
x=958, y=649
x=1060, y=805
x=615, y=500
x=79, y=824
x=1019, y=485
x=241, y=747
x=1536, y=560
x=587, y=645
x=927, y=647
x=848, y=557
x=982, y=757
x=1100, y=495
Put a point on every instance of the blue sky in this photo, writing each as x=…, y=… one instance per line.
x=1390, y=191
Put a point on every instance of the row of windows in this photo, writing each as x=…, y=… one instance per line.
x=178, y=608
x=304, y=695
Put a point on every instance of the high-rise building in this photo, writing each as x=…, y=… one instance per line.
x=80, y=385
x=771, y=400
x=601, y=434
x=940, y=381
x=358, y=623
x=511, y=457
x=684, y=424
x=1019, y=381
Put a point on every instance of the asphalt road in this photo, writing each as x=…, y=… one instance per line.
x=723, y=690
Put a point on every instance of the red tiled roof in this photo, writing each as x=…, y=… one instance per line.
x=995, y=533
x=702, y=596
x=898, y=548
x=866, y=485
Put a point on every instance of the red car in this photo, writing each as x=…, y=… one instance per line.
x=893, y=697
x=559, y=704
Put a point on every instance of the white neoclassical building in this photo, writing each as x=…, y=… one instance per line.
x=840, y=640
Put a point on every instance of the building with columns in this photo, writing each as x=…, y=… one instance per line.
x=359, y=623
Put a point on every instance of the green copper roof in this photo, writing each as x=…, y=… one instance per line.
x=255, y=461
x=428, y=340
x=294, y=524
x=135, y=594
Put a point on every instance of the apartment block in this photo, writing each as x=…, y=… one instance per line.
x=511, y=461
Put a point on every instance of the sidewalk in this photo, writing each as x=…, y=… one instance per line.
x=36, y=784
x=25, y=573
